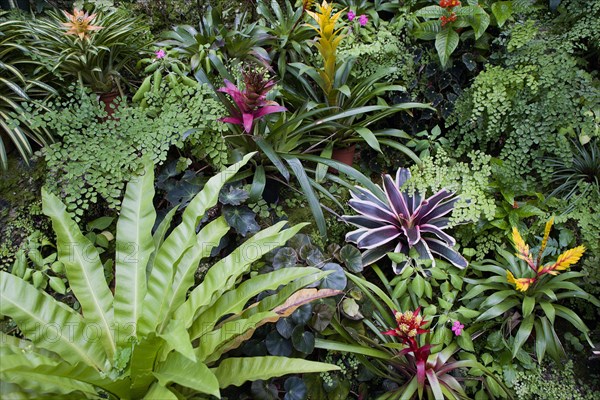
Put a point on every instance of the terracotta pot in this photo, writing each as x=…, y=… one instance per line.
x=344, y=155
x=108, y=99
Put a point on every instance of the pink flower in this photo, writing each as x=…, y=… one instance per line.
x=160, y=54
x=363, y=20
x=351, y=15
x=251, y=102
x=457, y=328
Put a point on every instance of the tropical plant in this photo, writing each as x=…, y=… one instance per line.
x=341, y=93
x=413, y=357
x=442, y=22
x=579, y=175
x=215, y=40
x=95, y=55
x=18, y=83
x=289, y=37
x=251, y=102
x=152, y=337
x=394, y=221
x=529, y=291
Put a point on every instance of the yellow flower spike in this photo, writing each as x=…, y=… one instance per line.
x=522, y=248
x=564, y=261
x=545, y=239
x=521, y=284
x=327, y=44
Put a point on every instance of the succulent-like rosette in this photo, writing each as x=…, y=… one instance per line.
x=401, y=222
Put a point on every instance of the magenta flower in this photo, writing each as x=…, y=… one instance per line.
x=251, y=102
x=351, y=15
x=160, y=54
x=363, y=20
x=457, y=328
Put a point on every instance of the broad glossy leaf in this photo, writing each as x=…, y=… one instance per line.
x=236, y=371
x=134, y=246
x=184, y=372
x=242, y=219
x=446, y=42
x=182, y=238
x=523, y=333
x=84, y=271
x=48, y=324
x=336, y=280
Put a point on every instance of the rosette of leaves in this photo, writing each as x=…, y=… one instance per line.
x=155, y=337
x=390, y=220
x=18, y=83
x=96, y=60
x=215, y=40
x=529, y=299
x=289, y=38
x=426, y=369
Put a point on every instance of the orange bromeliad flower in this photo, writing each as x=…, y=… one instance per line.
x=80, y=23
x=446, y=20
x=564, y=261
x=449, y=3
x=408, y=327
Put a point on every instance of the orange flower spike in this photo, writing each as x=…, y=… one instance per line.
x=564, y=261
x=521, y=284
x=545, y=239
x=79, y=23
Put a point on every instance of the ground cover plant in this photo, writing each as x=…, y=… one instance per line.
x=300, y=199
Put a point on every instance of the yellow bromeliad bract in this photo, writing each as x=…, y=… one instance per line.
x=564, y=261
x=329, y=39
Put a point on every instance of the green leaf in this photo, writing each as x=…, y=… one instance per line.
x=84, y=271
x=548, y=309
x=465, y=342
x=498, y=309
x=101, y=223
x=368, y=137
x=57, y=284
x=63, y=329
x=184, y=372
x=182, y=238
x=303, y=340
x=497, y=297
x=430, y=12
x=418, y=286
x=528, y=305
x=446, y=42
x=159, y=392
x=336, y=280
x=134, y=246
x=352, y=348
x=242, y=219
x=313, y=201
x=523, y=333
x=236, y=371
x=502, y=10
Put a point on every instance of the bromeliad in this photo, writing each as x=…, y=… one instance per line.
x=80, y=23
x=252, y=101
x=564, y=261
x=402, y=222
x=327, y=44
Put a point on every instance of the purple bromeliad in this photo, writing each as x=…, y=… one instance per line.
x=397, y=222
